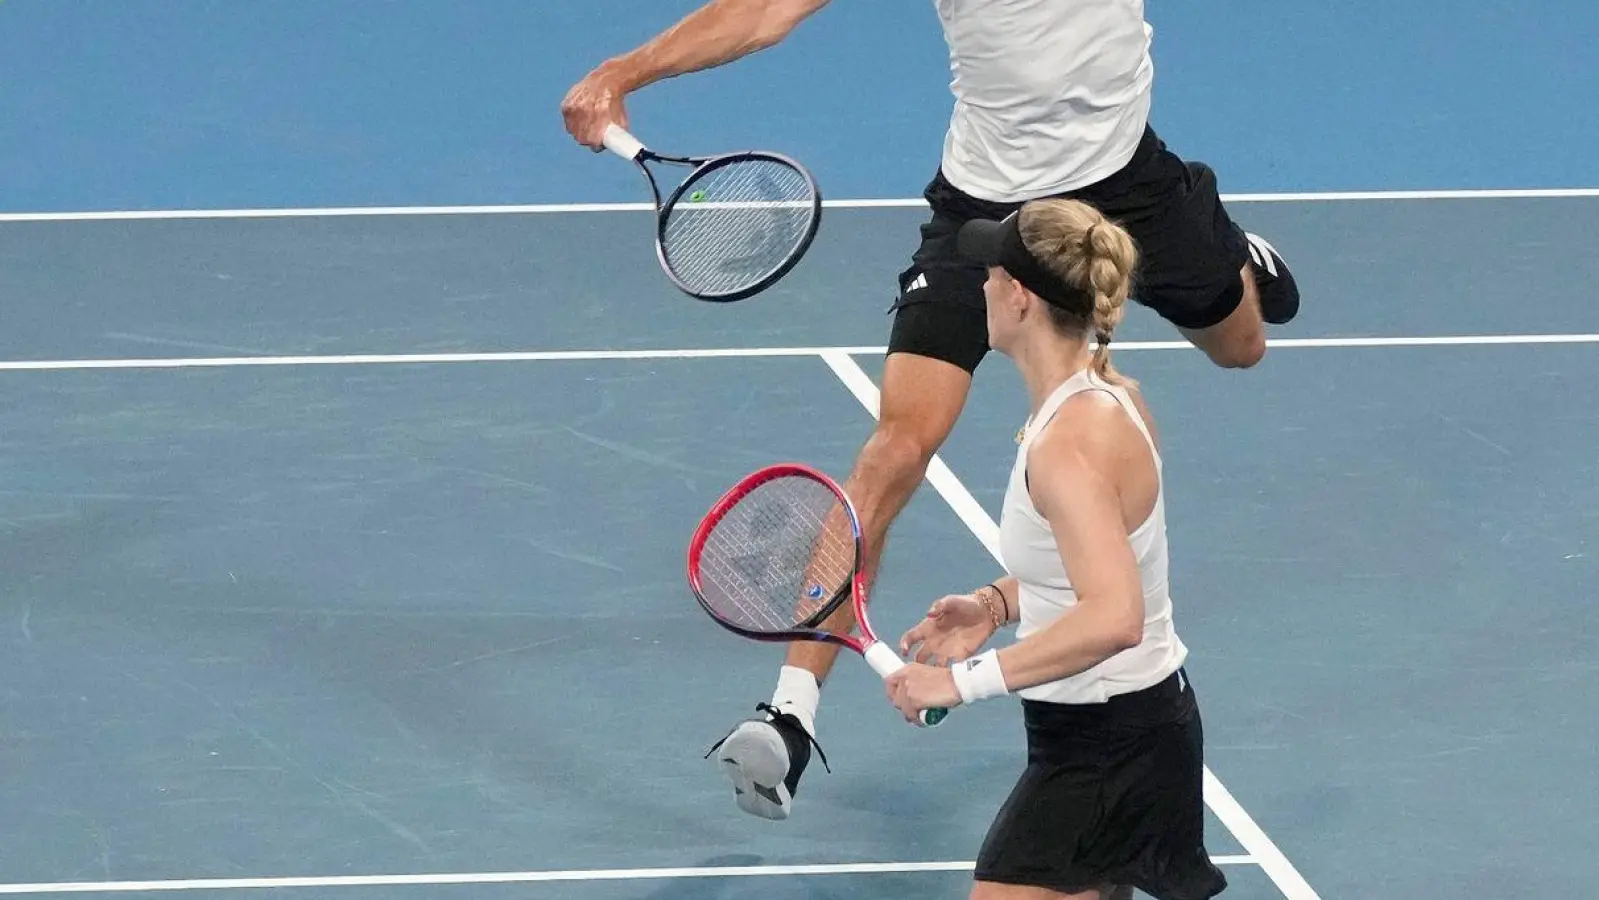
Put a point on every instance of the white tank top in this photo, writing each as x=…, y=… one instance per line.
x=1050, y=95
x=1029, y=552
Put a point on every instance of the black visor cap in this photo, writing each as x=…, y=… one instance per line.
x=990, y=243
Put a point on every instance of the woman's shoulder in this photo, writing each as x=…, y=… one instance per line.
x=1095, y=418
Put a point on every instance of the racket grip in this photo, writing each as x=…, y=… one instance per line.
x=885, y=662
x=618, y=141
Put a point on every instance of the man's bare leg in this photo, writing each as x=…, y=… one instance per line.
x=921, y=400
x=1270, y=295
x=1238, y=341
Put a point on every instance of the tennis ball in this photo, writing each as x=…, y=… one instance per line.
x=696, y=197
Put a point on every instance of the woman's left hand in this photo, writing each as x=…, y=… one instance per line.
x=918, y=686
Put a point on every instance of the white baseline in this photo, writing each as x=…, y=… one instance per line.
x=356, y=359
x=449, y=878
x=864, y=203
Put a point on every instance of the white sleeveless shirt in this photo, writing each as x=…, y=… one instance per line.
x=1029, y=552
x=1050, y=95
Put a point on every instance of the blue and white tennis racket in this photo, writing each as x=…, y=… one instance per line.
x=735, y=225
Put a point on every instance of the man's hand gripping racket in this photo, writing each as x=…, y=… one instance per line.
x=778, y=554
x=735, y=225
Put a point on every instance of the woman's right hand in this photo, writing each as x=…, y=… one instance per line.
x=956, y=627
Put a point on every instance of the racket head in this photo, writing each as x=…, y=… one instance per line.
x=737, y=225
x=778, y=554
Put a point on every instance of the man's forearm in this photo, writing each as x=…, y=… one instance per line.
x=715, y=34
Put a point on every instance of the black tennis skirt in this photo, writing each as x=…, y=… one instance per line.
x=1113, y=794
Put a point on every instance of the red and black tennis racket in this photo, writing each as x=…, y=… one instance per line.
x=778, y=554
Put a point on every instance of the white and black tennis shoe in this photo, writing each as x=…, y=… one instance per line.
x=764, y=759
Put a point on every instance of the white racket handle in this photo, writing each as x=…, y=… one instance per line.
x=618, y=141
x=883, y=660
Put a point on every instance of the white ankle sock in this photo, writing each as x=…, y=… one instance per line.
x=798, y=693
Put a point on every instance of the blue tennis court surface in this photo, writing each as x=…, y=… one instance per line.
x=342, y=555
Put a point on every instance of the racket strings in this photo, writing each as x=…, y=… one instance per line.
x=735, y=225
x=778, y=555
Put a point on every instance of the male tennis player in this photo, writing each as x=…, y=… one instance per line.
x=1051, y=100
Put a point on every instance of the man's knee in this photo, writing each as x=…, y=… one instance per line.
x=898, y=450
x=887, y=471
x=922, y=397
x=1241, y=352
x=1239, y=340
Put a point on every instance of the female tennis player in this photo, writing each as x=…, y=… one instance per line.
x=1112, y=795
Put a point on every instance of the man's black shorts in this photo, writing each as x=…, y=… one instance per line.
x=1190, y=254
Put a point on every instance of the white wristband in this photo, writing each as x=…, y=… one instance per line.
x=980, y=677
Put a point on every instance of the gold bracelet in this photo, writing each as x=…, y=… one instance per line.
x=1004, y=604
x=982, y=597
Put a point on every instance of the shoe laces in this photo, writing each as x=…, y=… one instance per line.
x=783, y=719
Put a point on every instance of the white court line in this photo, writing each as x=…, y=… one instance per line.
x=204, y=362
x=198, y=884
x=1342, y=196
x=1217, y=797
x=883, y=203
x=43, y=365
